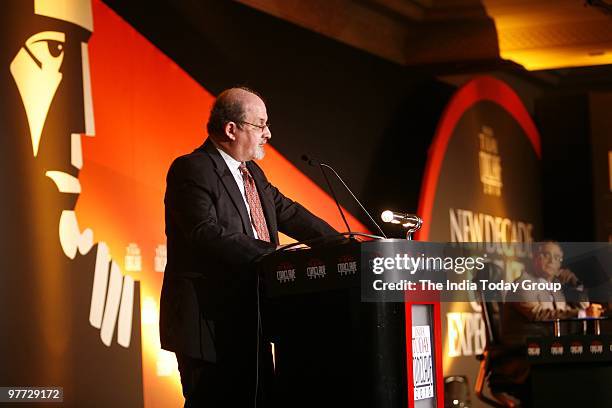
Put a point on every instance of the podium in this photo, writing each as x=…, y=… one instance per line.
x=333, y=349
x=571, y=370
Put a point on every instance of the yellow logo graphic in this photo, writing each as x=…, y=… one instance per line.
x=490, y=163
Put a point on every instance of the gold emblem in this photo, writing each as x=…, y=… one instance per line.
x=490, y=163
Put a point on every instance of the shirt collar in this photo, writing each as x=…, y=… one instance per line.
x=232, y=163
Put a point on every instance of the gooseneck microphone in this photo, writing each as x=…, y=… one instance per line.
x=409, y=221
x=312, y=162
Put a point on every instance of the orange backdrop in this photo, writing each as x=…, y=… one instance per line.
x=147, y=112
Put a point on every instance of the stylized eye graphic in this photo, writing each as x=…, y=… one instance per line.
x=36, y=70
x=46, y=49
x=55, y=48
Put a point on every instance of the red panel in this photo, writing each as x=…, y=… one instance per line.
x=437, y=345
x=409, y=368
x=483, y=88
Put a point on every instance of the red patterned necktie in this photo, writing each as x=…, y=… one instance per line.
x=257, y=216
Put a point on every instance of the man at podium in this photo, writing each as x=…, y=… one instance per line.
x=221, y=215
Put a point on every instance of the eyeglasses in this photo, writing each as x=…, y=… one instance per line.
x=550, y=255
x=260, y=127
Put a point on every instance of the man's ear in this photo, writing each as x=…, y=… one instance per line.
x=229, y=131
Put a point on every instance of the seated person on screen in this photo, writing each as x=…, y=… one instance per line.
x=525, y=307
x=523, y=310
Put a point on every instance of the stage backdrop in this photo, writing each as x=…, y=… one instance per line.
x=82, y=248
x=481, y=184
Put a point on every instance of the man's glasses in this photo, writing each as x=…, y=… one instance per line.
x=260, y=127
x=551, y=256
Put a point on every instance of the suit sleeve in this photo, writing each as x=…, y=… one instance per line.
x=191, y=204
x=536, y=306
x=538, y=311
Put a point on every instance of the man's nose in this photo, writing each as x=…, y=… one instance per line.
x=267, y=133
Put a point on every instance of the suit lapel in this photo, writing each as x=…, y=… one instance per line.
x=229, y=183
x=266, y=204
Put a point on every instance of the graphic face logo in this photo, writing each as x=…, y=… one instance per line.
x=50, y=70
x=46, y=61
x=490, y=163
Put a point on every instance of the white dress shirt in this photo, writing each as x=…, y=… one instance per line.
x=233, y=165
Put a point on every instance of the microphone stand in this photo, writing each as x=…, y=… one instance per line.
x=312, y=162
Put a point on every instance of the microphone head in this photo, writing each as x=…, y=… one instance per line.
x=410, y=221
x=387, y=216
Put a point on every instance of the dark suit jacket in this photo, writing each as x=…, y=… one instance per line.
x=209, y=280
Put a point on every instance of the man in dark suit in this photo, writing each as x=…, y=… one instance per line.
x=221, y=215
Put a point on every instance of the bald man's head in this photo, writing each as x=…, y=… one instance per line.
x=239, y=125
x=230, y=106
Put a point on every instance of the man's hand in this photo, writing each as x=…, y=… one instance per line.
x=567, y=277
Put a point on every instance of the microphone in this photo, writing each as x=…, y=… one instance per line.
x=313, y=162
x=410, y=221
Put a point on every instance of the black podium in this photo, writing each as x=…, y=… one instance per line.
x=330, y=348
x=571, y=370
